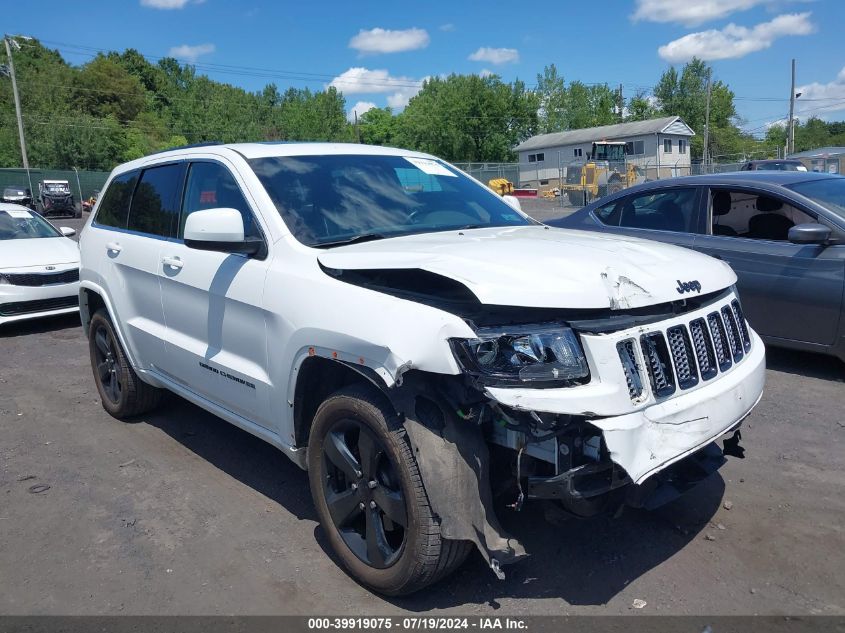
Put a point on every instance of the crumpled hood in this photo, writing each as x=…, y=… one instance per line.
x=537, y=266
x=37, y=252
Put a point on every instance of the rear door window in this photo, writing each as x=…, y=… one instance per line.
x=114, y=207
x=663, y=210
x=155, y=204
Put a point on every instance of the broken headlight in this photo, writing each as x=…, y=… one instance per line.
x=549, y=353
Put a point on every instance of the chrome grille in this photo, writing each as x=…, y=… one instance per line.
x=704, y=352
x=659, y=366
x=42, y=279
x=685, y=353
x=720, y=341
x=631, y=367
x=682, y=356
x=733, y=333
x=743, y=327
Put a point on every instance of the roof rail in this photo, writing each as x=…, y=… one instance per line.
x=204, y=144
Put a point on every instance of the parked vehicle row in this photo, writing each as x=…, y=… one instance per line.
x=54, y=199
x=782, y=232
x=39, y=266
x=414, y=341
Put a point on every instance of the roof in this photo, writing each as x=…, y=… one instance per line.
x=726, y=179
x=820, y=152
x=607, y=132
x=269, y=149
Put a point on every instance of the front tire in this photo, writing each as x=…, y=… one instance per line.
x=370, y=497
x=122, y=393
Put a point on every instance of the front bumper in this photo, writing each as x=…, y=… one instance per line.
x=18, y=303
x=647, y=434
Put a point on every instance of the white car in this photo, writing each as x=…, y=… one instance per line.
x=409, y=337
x=39, y=266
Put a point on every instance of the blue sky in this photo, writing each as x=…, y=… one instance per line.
x=377, y=52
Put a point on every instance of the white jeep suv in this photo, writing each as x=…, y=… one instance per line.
x=414, y=341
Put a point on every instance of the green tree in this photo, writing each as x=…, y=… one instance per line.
x=104, y=88
x=685, y=95
x=554, y=101
x=378, y=127
x=467, y=117
x=641, y=108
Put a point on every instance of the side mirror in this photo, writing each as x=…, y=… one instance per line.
x=513, y=202
x=67, y=231
x=220, y=230
x=809, y=233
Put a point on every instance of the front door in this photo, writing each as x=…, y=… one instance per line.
x=788, y=291
x=216, y=342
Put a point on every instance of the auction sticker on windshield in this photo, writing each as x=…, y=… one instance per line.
x=22, y=214
x=430, y=167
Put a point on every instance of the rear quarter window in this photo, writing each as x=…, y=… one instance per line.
x=114, y=207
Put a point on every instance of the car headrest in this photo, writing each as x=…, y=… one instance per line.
x=767, y=204
x=769, y=226
x=721, y=203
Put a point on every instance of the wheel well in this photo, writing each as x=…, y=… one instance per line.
x=317, y=379
x=88, y=306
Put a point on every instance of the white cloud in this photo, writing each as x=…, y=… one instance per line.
x=360, y=80
x=190, y=53
x=485, y=72
x=359, y=109
x=447, y=27
x=734, y=41
x=691, y=12
x=495, y=55
x=386, y=41
x=399, y=99
x=818, y=99
x=169, y=4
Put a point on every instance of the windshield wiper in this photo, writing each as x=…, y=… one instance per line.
x=365, y=237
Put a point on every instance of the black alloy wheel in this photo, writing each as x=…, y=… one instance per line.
x=363, y=494
x=108, y=364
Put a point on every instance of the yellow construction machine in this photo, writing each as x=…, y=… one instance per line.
x=604, y=171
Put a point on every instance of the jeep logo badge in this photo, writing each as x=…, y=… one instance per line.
x=688, y=286
x=49, y=268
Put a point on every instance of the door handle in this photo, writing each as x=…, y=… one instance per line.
x=114, y=246
x=173, y=262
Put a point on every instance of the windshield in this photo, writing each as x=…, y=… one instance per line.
x=828, y=192
x=22, y=224
x=327, y=200
x=57, y=187
x=781, y=166
x=615, y=152
x=15, y=192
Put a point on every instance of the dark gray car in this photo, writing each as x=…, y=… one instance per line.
x=782, y=232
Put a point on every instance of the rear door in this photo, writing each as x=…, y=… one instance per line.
x=216, y=334
x=788, y=291
x=667, y=214
x=127, y=256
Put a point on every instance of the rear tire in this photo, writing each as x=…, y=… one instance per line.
x=356, y=427
x=122, y=393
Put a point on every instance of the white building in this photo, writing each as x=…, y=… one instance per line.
x=658, y=146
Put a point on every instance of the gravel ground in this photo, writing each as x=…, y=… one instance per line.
x=180, y=513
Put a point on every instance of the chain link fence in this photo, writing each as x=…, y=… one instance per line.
x=83, y=184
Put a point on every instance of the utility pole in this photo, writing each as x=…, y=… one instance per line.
x=790, y=139
x=706, y=157
x=18, y=110
x=357, y=127
x=621, y=102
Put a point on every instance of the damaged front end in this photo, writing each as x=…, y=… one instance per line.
x=590, y=415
